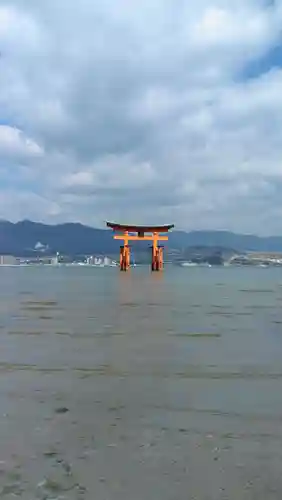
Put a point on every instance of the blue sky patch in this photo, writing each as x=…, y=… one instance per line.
x=271, y=59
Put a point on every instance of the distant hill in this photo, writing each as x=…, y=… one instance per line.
x=226, y=239
x=27, y=238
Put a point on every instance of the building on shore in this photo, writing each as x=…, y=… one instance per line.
x=100, y=261
x=8, y=260
x=55, y=260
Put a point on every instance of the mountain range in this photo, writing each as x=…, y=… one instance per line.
x=27, y=237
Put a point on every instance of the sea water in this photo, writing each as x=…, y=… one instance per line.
x=135, y=385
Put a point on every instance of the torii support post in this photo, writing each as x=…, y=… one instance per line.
x=124, y=258
x=157, y=258
x=140, y=233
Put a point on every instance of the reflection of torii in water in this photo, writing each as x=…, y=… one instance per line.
x=132, y=260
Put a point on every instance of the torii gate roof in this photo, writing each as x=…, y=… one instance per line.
x=139, y=229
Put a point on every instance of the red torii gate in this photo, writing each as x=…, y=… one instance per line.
x=141, y=233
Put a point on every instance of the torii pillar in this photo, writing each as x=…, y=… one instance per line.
x=140, y=233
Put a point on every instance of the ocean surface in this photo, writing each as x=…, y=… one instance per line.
x=126, y=386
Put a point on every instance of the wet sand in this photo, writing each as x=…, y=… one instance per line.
x=133, y=387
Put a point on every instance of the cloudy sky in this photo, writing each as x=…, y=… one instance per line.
x=142, y=111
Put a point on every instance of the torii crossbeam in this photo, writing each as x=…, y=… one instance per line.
x=141, y=233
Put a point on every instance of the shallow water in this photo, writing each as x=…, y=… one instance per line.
x=131, y=386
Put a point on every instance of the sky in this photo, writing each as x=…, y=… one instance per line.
x=142, y=112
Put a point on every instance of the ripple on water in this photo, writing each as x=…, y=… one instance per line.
x=191, y=372
x=195, y=335
x=257, y=290
x=19, y=332
x=44, y=303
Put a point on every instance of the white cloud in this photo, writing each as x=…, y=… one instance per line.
x=112, y=105
x=244, y=27
x=18, y=31
x=18, y=204
x=109, y=174
x=15, y=143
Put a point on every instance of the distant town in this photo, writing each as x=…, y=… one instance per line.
x=97, y=261
x=195, y=257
